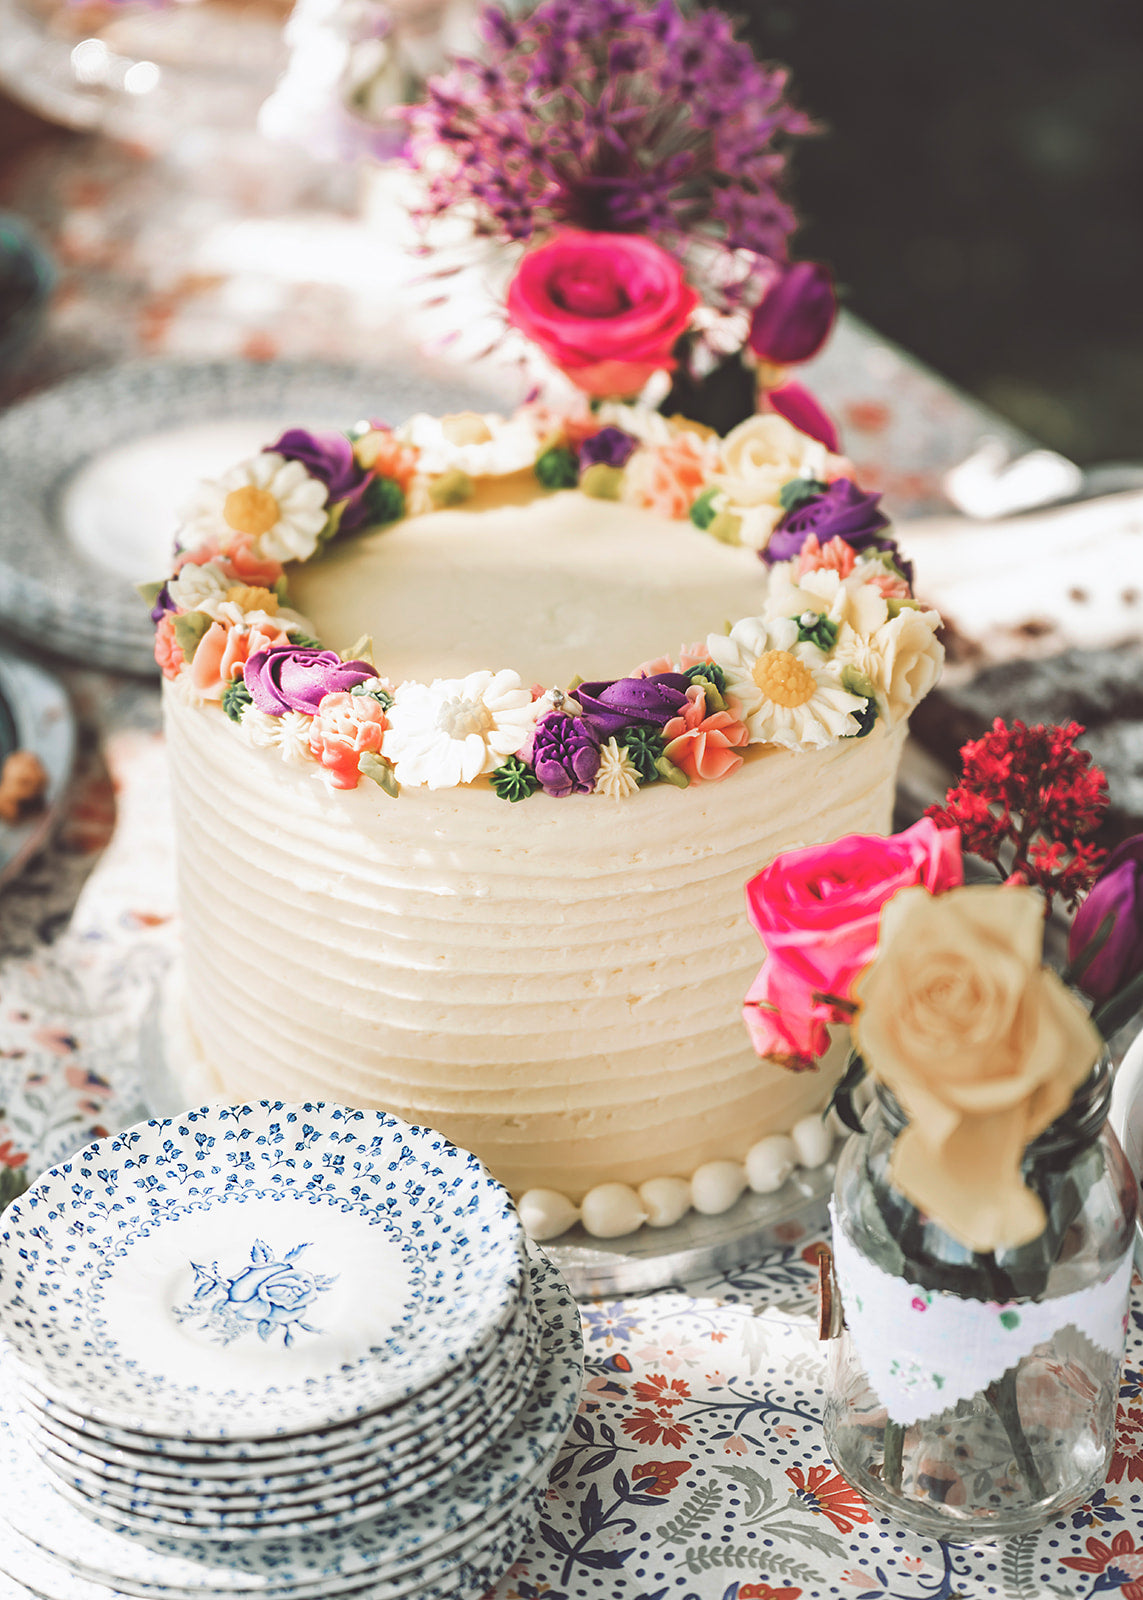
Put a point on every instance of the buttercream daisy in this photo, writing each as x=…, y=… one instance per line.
x=268, y=499
x=618, y=776
x=452, y=730
x=787, y=693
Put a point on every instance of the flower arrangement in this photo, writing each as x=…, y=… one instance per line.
x=840, y=644
x=943, y=983
x=632, y=154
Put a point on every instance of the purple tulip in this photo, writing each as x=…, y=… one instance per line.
x=608, y=708
x=610, y=447
x=844, y=511
x=291, y=677
x=798, y=406
x=565, y=755
x=794, y=318
x=1117, y=893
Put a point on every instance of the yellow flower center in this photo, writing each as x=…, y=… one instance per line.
x=466, y=427
x=783, y=679
x=250, y=510
x=253, y=598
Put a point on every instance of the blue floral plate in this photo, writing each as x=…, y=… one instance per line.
x=392, y=1556
x=255, y=1271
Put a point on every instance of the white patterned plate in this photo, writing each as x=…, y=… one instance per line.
x=190, y=1478
x=338, y=1505
x=382, y=1547
x=194, y=1278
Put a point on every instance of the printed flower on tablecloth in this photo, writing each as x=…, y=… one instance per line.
x=452, y=730
x=649, y=1427
x=659, y=1477
x=268, y=499
x=765, y=1591
x=10, y=1156
x=1130, y=1384
x=610, y=1324
x=1127, y=1461
x=787, y=693
x=1101, y=1508
x=662, y=1391
x=1118, y=1564
x=827, y=1491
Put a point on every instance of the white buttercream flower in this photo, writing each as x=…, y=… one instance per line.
x=268, y=499
x=842, y=600
x=452, y=730
x=289, y=735
x=198, y=584
x=618, y=776
x=785, y=692
x=902, y=659
x=756, y=459
x=485, y=446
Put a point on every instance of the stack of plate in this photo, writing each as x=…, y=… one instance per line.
x=282, y=1350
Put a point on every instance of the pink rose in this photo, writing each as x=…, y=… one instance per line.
x=607, y=308
x=346, y=725
x=817, y=911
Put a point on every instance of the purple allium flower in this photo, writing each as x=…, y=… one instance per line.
x=614, y=116
x=844, y=512
x=610, y=447
x=795, y=315
x=1117, y=893
x=296, y=678
x=608, y=708
x=565, y=755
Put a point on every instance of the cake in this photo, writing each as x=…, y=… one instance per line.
x=476, y=734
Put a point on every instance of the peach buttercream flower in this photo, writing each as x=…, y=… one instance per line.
x=667, y=478
x=223, y=649
x=168, y=651
x=236, y=558
x=690, y=655
x=982, y=1045
x=834, y=556
x=344, y=727
x=704, y=747
x=386, y=456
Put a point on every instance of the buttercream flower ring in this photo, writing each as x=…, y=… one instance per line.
x=840, y=643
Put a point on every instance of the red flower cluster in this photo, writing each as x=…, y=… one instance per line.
x=1026, y=802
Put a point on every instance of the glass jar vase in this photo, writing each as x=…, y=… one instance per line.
x=973, y=1396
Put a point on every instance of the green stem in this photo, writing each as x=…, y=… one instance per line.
x=1001, y=1396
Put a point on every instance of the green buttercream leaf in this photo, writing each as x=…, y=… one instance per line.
x=514, y=779
x=452, y=488
x=644, y=748
x=821, y=632
x=282, y=590
x=303, y=641
x=382, y=696
x=333, y=516
x=866, y=719
x=150, y=592
x=714, y=698
x=854, y=682
x=189, y=631
x=575, y=682
x=897, y=606
x=710, y=671
x=360, y=650
x=602, y=482
x=557, y=467
x=795, y=493
x=235, y=698
x=376, y=767
x=672, y=774
x=384, y=500
x=726, y=528
x=702, y=513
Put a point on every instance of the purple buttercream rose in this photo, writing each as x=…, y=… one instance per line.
x=610, y=447
x=795, y=315
x=296, y=678
x=1117, y=893
x=329, y=457
x=608, y=708
x=843, y=512
x=565, y=755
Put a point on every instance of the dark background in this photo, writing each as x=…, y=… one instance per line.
x=978, y=190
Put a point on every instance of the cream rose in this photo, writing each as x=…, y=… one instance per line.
x=757, y=458
x=982, y=1046
x=902, y=658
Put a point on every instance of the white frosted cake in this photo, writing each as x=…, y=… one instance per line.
x=440, y=873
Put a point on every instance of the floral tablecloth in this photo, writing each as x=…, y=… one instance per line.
x=696, y=1467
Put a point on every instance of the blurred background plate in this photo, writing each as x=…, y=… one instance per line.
x=96, y=470
x=34, y=715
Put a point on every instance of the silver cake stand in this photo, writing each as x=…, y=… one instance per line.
x=652, y=1258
